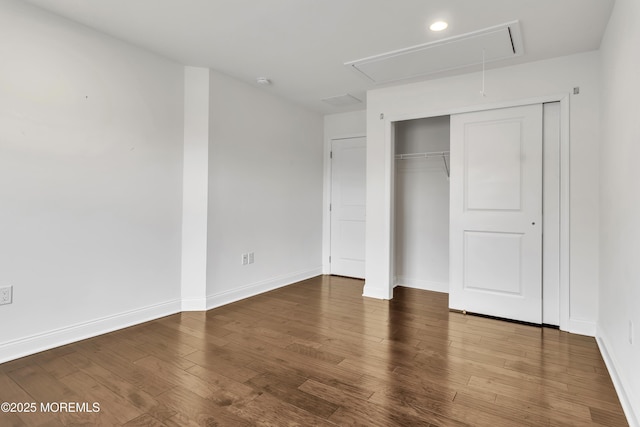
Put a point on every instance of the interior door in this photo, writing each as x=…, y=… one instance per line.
x=496, y=213
x=348, y=195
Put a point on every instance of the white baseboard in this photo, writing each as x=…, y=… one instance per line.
x=376, y=292
x=626, y=398
x=227, y=297
x=582, y=327
x=80, y=331
x=194, y=304
x=424, y=285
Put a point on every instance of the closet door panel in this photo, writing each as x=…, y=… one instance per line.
x=496, y=213
x=493, y=168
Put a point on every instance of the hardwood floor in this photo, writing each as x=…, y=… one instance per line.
x=318, y=353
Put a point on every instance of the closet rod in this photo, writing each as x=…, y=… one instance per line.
x=427, y=155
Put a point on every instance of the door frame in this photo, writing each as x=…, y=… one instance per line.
x=564, y=248
x=326, y=199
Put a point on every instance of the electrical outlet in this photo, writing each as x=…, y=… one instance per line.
x=6, y=295
x=245, y=259
x=251, y=257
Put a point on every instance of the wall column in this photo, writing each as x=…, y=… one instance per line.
x=195, y=189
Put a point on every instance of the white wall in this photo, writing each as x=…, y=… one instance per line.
x=90, y=181
x=336, y=126
x=265, y=191
x=422, y=205
x=442, y=96
x=344, y=125
x=620, y=204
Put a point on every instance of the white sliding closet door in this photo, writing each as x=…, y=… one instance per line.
x=496, y=213
x=348, y=206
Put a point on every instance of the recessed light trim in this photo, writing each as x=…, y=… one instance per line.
x=438, y=26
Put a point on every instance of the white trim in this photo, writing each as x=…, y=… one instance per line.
x=80, y=331
x=377, y=293
x=326, y=201
x=227, y=297
x=425, y=285
x=551, y=125
x=194, y=304
x=562, y=97
x=631, y=412
x=581, y=327
x=565, y=301
x=390, y=181
x=565, y=221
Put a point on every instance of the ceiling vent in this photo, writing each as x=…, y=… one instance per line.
x=342, y=100
x=494, y=43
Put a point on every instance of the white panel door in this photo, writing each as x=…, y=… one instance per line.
x=348, y=195
x=496, y=213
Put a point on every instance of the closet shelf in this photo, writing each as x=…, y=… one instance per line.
x=428, y=155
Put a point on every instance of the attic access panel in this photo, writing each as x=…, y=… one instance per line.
x=499, y=42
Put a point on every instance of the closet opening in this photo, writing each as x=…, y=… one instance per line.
x=421, y=205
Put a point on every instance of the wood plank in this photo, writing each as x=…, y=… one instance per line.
x=509, y=415
x=11, y=392
x=137, y=397
x=212, y=390
x=58, y=367
x=287, y=391
x=557, y=409
x=608, y=418
x=241, y=393
x=145, y=420
x=220, y=365
x=125, y=368
x=199, y=410
x=315, y=353
x=43, y=388
x=114, y=409
x=267, y=410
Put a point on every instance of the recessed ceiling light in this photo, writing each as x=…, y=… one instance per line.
x=438, y=26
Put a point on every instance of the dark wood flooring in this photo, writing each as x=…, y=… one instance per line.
x=318, y=353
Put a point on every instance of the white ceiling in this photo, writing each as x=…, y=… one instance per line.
x=302, y=45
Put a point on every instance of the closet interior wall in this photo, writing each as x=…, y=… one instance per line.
x=422, y=205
